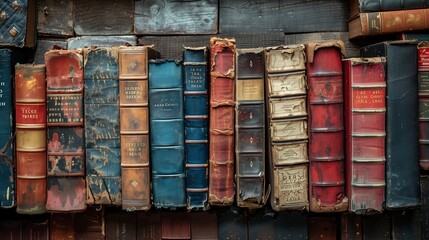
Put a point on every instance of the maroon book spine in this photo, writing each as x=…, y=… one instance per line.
x=326, y=127
x=423, y=96
x=221, y=147
x=364, y=111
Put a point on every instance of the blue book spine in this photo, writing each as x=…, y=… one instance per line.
x=196, y=126
x=167, y=152
x=7, y=193
x=102, y=136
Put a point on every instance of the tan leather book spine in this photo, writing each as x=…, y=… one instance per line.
x=134, y=126
x=30, y=117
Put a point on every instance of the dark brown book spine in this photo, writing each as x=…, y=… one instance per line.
x=322, y=227
x=61, y=226
x=365, y=132
x=175, y=225
x=423, y=96
x=326, y=127
x=30, y=117
x=90, y=225
x=134, y=126
x=221, y=137
x=287, y=120
x=66, y=190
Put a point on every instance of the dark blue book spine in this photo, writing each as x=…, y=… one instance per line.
x=167, y=140
x=103, y=168
x=196, y=126
x=7, y=193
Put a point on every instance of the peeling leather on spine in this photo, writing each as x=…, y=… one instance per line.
x=312, y=47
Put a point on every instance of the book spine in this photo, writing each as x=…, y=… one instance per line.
x=175, y=225
x=195, y=76
x=120, y=225
x=134, y=121
x=391, y=5
x=149, y=225
x=365, y=109
x=102, y=136
x=287, y=119
x=424, y=186
x=326, y=127
x=221, y=123
x=7, y=178
x=30, y=117
x=89, y=224
x=167, y=142
x=66, y=189
x=423, y=98
x=61, y=226
x=250, y=128
x=402, y=133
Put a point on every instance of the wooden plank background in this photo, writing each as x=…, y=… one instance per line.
x=55, y=18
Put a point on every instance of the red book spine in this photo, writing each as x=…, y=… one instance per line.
x=221, y=148
x=365, y=110
x=326, y=127
x=30, y=117
x=423, y=91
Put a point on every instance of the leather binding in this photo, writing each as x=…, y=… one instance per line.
x=387, y=5
x=351, y=226
x=364, y=111
x=423, y=98
x=424, y=183
x=386, y=22
x=326, y=126
x=66, y=190
x=148, y=225
x=250, y=128
x=134, y=121
x=323, y=225
x=232, y=223
x=102, y=136
x=195, y=77
x=7, y=168
x=204, y=225
x=35, y=229
x=287, y=126
x=221, y=123
x=18, y=25
x=175, y=225
x=61, y=226
x=30, y=118
x=376, y=226
x=120, y=225
x=167, y=141
x=402, y=133
x=90, y=224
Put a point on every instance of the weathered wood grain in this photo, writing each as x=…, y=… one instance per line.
x=100, y=41
x=352, y=49
x=171, y=46
x=55, y=18
x=176, y=17
x=289, y=16
x=103, y=17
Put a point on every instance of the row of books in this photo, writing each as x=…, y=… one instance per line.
x=121, y=126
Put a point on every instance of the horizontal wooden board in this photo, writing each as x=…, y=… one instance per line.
x=100, y=41
x=99, y=17
x=352, y=48
x=172, y=46
x=288, y=16
x=44, y=45
x=55, y=18
x=176, y=17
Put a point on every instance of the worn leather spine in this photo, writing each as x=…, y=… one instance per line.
x=390, y=5
x=167, y=141
x=221, y=123
x=102, y=136
x=365, y=133
x=287, y=120
x=195, y=77
x=250, y=128
x=66, y=190
x=30, y=118
x=402, y=133
x=423, y=98
x=134, y=114
x=175, y=225
x=326, y=127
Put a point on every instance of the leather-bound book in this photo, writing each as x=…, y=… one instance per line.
x=250, y=128
x=66, y=190
x=148, y=225
x=134, y=121
x=326, y=126
x=196, y=81
x=61, y=226
x=402, y=131
x=424, y=186
x=30, y=119
x=287, y=126
x=120, y=225
x=221, y=123
x=364, y=111
x=423, y=98
x=365, y=6
x=322, y=227
x=90, y=224
x=167, y=141
x=175, y=225
x=204, y=225
x=102, y=136
x=7, y=176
